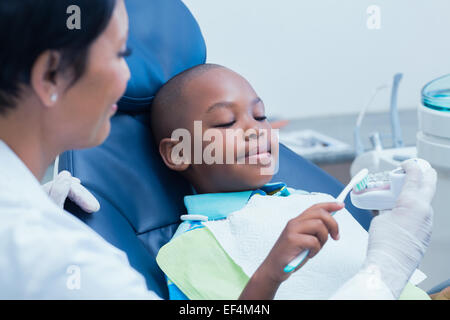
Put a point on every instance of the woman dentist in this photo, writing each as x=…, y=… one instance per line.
x=58, y=91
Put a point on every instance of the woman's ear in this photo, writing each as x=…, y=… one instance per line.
x=173, y=156
x=44, y=77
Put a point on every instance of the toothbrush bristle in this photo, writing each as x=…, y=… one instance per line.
x=361, y=185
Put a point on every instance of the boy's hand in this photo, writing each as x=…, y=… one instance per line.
x=307, y=231
x=444, y=294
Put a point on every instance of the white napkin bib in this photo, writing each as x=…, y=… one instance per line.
x=249, y=234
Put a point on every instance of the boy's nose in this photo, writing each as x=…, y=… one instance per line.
x=253, y=133
x=253, y=129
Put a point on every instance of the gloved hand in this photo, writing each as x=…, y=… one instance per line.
x=399, y=237
x=64, y=185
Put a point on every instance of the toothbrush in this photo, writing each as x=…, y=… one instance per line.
x=358, y=182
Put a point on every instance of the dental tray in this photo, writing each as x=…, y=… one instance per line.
x=315, y=146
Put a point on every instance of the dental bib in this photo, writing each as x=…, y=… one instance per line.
x=248, y=235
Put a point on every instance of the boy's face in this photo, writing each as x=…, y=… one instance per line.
x=231, y=111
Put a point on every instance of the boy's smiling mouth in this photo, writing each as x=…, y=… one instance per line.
x=260, y=158
x=261, y=155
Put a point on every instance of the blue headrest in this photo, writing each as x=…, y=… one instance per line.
x=166, y=40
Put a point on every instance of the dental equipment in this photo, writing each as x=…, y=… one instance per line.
x=359, y=146
x=359, y=182
x=433, y=145
x=381, y=191
x=379, y=159
x=395, y=123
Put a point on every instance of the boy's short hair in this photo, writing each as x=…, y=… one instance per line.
x=169, y=102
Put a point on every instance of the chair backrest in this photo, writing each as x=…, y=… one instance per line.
x=141, y=200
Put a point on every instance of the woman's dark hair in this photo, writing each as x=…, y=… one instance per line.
x=30, y=27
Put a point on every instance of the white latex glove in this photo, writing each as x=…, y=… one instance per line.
x=365, y=285
x=65, y=186
x=398, y=239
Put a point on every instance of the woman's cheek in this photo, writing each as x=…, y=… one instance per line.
x=124, y=76
x=115, y=80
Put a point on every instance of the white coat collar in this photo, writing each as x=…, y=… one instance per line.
x=17, y=182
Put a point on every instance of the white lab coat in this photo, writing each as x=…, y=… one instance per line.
x=47, y=253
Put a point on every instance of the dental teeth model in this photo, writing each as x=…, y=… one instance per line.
x=379, y=190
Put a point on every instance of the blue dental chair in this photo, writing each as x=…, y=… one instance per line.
x=141, y=200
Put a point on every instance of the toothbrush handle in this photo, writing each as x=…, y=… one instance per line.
x=296, y=262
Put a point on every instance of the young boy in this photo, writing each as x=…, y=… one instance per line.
x=229, y=173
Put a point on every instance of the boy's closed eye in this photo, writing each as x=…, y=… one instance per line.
x=261, y=118
x=225, y=124
x=228, y=124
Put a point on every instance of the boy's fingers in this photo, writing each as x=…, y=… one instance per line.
x=309, y=242
x=331, y=206
x=331, y=224
x=327, y=206
x=314, y=227
x=326, y=218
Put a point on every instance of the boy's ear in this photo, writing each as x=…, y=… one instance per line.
x=174, y=160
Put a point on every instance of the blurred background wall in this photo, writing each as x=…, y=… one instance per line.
x=325, y=57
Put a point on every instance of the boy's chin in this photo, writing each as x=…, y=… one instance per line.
x=258, y=181
x=243, y=184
